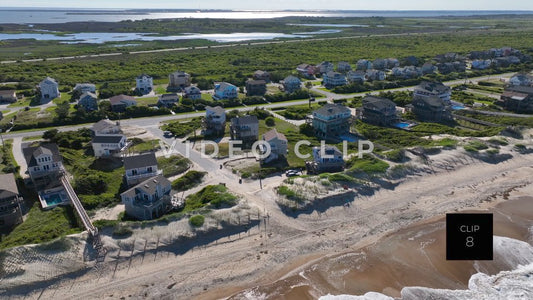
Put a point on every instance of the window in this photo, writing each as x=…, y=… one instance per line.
x=149, y=169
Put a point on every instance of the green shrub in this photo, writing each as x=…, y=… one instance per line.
x=396, y=155
x=270, y=122
x=475, y=146
x=122, y=231
x=92, y=184
x=368, y=164
x=197, y=220
x=188, y=181
x=340, y=177
x=101, y=223
x=212, y=195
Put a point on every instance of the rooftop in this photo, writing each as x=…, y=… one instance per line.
x=273, y=134
x=148, y=186
x=245, y=120
x=107, y=139
x=8, y=186
x=377, y=103
x=31, y=152
x=140, y=161
x=332, y=110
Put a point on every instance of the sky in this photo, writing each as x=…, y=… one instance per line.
x=284, y=4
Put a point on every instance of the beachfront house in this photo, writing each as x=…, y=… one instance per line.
x=427, y=89
x=331, y=121
x=8, y=96
x=121, y=102
x=144, y=84
x=278, y=145
x=44, y=164
x=224, y=90
x=10, y=202
x=140, y=167
x=178, y=80
x=108, y=145
x=245, y=129
x=49, y=89
x=168, y=100
x=379, y=111
x=332, y=79
x=431, y=108
x=518, y=99
x=523, y=79
x=192, y=93
x=215, y=120
x=326, y=159
x=150, y=199
x=256, y=88
x=88, y=101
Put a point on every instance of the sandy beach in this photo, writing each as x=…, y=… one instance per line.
x=313, y=254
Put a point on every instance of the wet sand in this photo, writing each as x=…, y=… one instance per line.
x=414, y=256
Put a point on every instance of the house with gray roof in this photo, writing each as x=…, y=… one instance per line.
x=291, y=84
x=215, y=120
x=379, y=111
x=140, y=167
x=432, y=108
x=427, y=89
x=44, y=164
x=119, y=103
x=332, y=79
x=256, y=88
x=245, y=129
x=168, y=100
x=331, y=121
x=10, y=202
x=192, y=93
x=49, y=89
x=518, y=99
x=144, y=84
x=88, y=101
x=106, y=126
x=278, y=145
x=326, y=159
x=178, y=80
x=85, y=87
x=150, y=199
x=8, y=96
x=224, y=90
x=261, y=75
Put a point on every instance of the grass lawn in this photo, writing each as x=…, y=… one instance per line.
x=147, y=101
x=160, y=89
x=21, y=103
x=110, y=171
x=42, y=226
x=207, y=96
x=32, y=138
x=139, y=146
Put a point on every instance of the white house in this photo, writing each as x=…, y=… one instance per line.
x=192, y=92
x=106, y=127
x=332, y=79
x=356, y=76
x=521, y=79
x=224, y=90
x=278, y=145
x=49, y=89
x=481, y=64
x=88, y=101
x=325, y=67
x=363, y=65
x=149, y=199
x=108, y=145
x=140, y=167
x=145, y=84
x=343, y=67
x=85, y=88
x=373, y=74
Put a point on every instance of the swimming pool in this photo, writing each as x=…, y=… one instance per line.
x=53, y=197
x=457, y=107
x=402, y=125
x=349, y=137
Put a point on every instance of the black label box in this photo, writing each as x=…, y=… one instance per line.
x=469, y=236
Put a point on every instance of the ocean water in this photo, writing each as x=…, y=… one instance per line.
x=514, y=284
x=36, y=16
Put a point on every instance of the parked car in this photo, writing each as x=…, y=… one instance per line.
x=291, y=173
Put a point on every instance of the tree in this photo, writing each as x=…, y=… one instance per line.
x=62, y=110
x=50, y=134
x=270, y=122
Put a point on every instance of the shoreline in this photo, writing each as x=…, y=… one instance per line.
x=230, y=265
